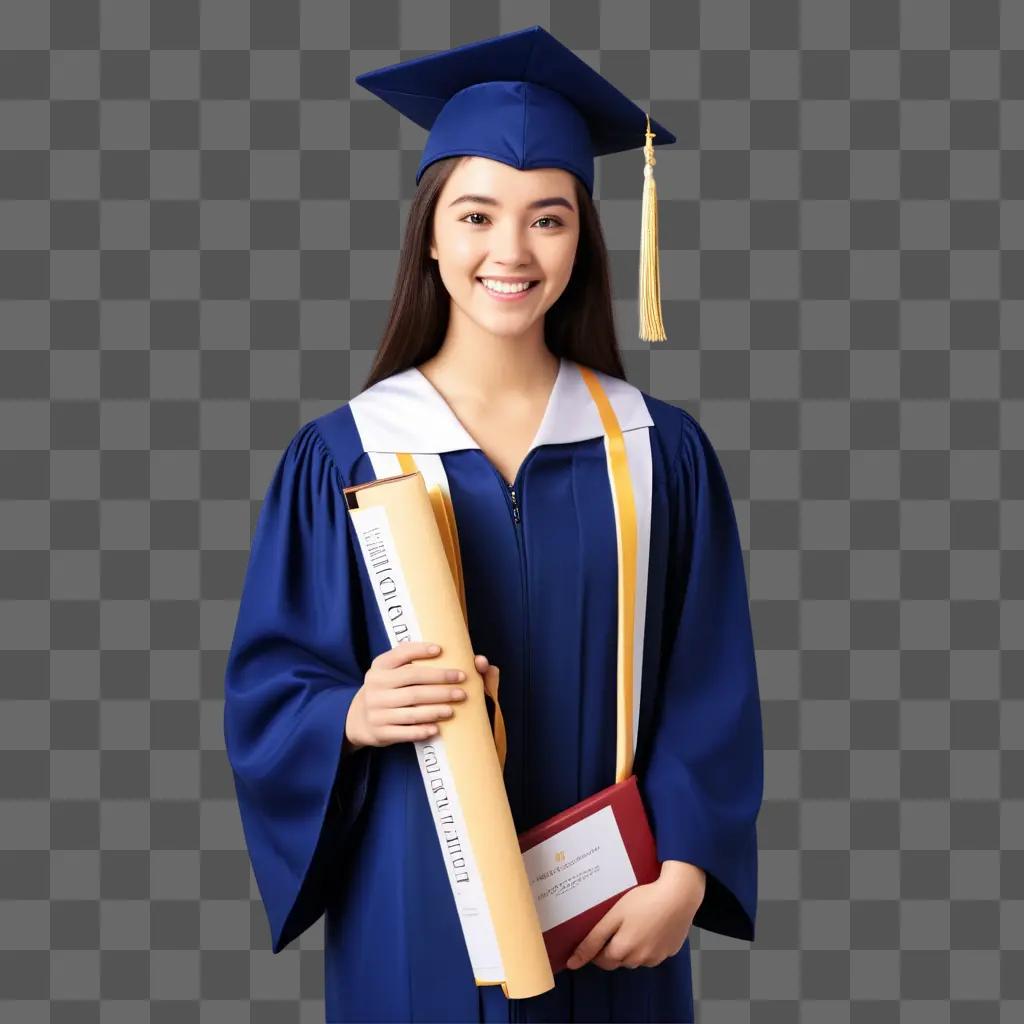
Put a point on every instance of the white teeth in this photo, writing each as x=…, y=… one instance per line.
x=501, y=286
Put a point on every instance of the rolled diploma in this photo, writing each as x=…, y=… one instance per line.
x=412, y=581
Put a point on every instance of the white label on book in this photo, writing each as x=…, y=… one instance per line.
x=577, y=868
x=391, y=588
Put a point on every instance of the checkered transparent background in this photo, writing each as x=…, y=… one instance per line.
x=200, y=218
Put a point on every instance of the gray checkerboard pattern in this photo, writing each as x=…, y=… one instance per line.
x=199, y=224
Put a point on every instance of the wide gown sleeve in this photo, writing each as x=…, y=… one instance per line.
x=297, y=658
x=704, y=780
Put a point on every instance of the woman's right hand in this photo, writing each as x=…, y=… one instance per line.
x=402, y=698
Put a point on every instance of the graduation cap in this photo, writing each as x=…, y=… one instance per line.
x=527, y=100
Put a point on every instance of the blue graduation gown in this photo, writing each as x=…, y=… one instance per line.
x=350, y=837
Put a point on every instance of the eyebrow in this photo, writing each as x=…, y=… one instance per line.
x=536, y=204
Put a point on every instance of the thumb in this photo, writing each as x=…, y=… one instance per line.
x=596, y=939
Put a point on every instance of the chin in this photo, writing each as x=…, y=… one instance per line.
x=506, y=328
x=491, y=316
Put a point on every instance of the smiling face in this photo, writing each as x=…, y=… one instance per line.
x=493, y=221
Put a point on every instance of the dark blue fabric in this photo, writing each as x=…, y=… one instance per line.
x=522, y=98
x=292, y=671
x=354, y=840
x=704, y=782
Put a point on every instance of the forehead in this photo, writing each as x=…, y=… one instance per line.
x=489, y=177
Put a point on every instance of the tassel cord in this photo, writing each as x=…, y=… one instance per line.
x=652, y=326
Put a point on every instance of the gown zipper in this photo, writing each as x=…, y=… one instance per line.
x=510, y=496
x=515, y=504
x=514, y=1007
x=521, y=545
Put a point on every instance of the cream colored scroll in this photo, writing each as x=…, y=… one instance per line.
x=414, y=580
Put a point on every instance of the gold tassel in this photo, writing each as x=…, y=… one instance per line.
x=652, y=328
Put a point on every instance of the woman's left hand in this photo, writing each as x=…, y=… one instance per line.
x=647, y=925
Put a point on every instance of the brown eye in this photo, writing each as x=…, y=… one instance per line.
x=555, y=222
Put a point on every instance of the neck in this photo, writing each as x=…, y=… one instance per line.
x=485, y=367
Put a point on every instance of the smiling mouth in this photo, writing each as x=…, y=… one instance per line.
x=518, y=291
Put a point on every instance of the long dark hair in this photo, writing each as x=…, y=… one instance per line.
x=580, y=325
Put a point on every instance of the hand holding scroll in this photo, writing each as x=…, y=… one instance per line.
x=402, y=697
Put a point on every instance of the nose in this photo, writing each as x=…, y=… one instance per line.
x=511, y=245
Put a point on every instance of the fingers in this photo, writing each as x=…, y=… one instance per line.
x=395, y=710
x=406, y=733
x=594, y=943
x=417, y=675
x=420, y=714
x=602, y=958
x=405, y=653
x=609, y=959
x=415, y=649
x=404, y=696
x=416, y=713
x=605, y=962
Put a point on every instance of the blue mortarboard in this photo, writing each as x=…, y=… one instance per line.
x=527, y=100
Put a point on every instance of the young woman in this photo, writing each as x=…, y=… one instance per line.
x=502, y=298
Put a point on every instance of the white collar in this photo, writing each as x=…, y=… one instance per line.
x=406, y=413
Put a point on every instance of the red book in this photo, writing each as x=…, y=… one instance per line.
x=583, y=859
